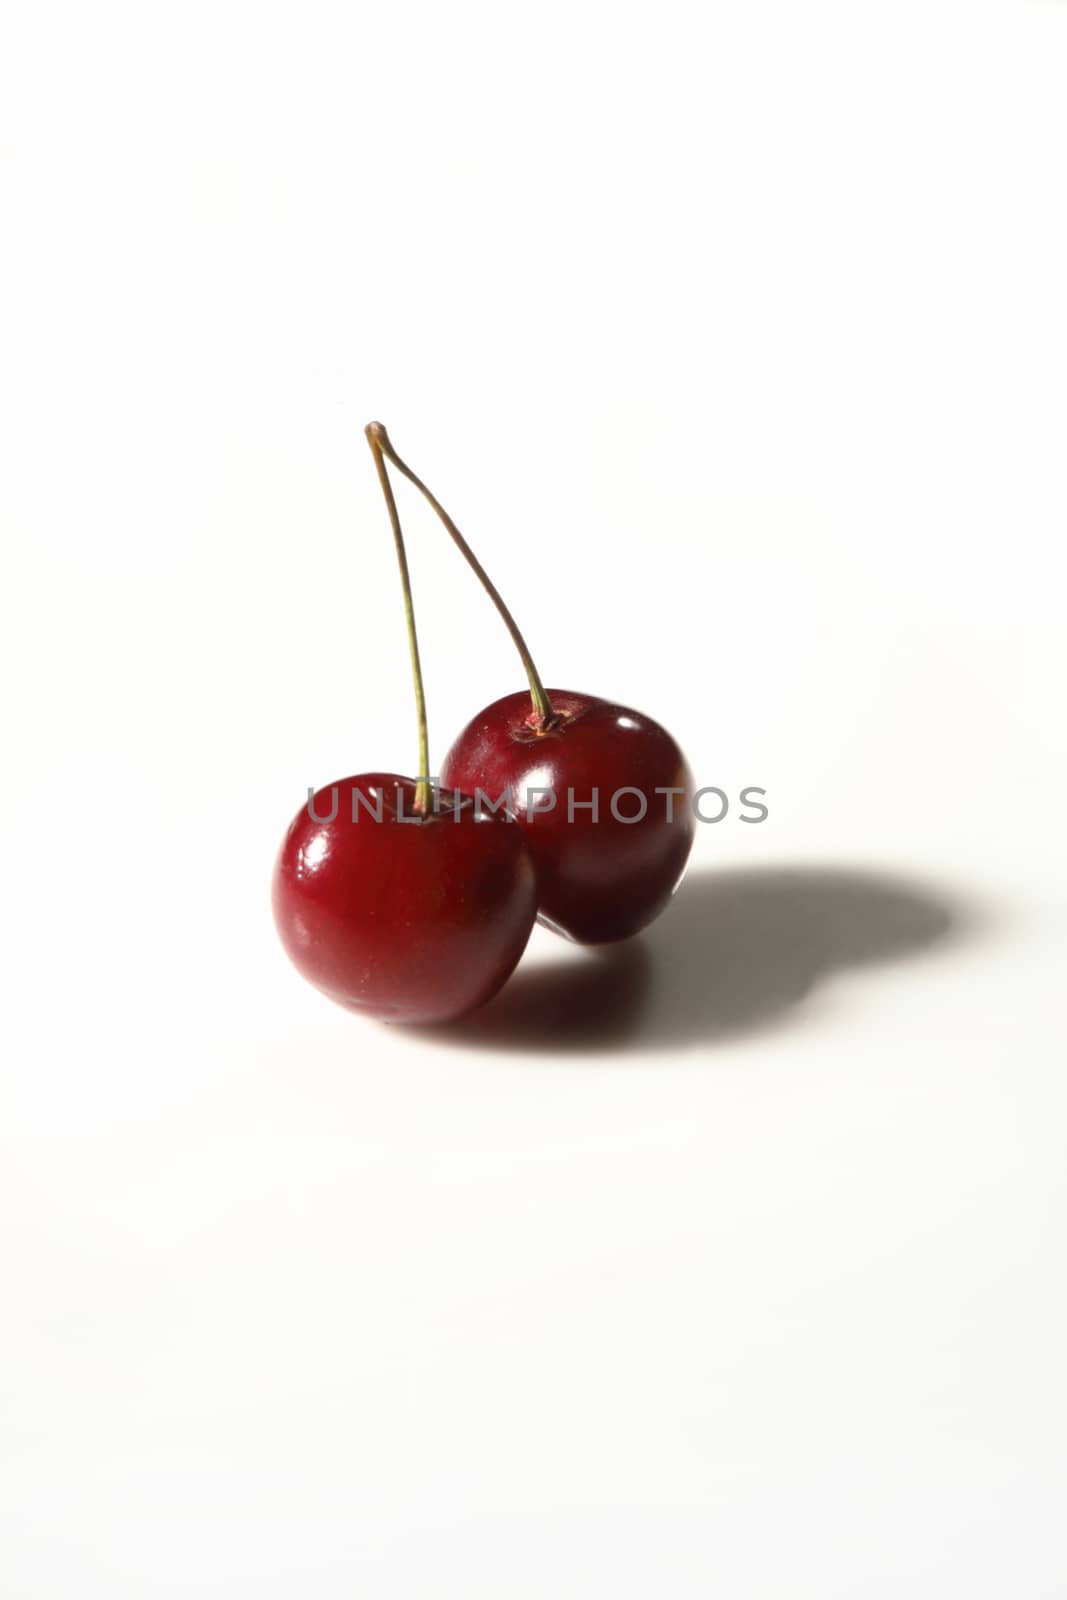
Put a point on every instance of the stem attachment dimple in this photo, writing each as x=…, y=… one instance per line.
x=381, y=444
x=423, y=793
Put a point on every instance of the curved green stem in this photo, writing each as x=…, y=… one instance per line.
x=542, y=706
x=423, y=795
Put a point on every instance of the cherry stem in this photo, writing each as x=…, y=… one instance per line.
x=542, y=706
x=423, y=794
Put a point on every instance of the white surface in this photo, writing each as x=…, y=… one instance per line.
x=735, y=337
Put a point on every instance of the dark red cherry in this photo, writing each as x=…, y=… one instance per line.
x=402, y=917
x=600, y=876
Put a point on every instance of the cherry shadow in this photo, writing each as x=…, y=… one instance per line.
x=735, y=952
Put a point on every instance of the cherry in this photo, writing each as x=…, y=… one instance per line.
x=602, y=793
x=400, y=903
x=606, y=866
x=410, y=918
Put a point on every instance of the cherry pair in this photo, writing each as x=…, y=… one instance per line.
x=414, y=905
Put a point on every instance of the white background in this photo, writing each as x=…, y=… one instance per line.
x=735, y=336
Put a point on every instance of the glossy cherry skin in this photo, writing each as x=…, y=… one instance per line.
x=406, y=920
x=596, y=880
